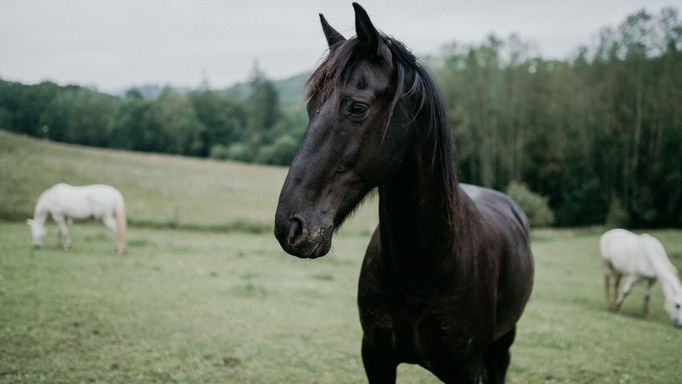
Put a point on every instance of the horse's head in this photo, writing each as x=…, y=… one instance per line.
x=38, y=232
x=357, y=135
x=674, y=307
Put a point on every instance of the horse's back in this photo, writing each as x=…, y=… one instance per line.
x=627, y=252
x=81, y=201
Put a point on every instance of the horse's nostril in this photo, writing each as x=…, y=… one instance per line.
x=296, y=230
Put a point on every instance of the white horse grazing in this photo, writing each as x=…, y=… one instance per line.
x=639, y=256
x=65, y=201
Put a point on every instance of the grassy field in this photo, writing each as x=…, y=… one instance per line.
x=205, y=307
x=187, y=305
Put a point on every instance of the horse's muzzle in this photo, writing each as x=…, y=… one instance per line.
x=297, y=237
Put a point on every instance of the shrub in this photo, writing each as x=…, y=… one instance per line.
x=536, y=207
x=281, y=152
x=235, y=151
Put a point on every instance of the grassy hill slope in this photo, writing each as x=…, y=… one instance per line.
x=159, y=189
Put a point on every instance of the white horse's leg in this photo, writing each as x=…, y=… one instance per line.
x=630, y=281
x=617, y=276
x=610, y=287
x=647, y=297
x=110, y=222
x=63, y=230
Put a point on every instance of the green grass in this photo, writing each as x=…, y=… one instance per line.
x=204, y=307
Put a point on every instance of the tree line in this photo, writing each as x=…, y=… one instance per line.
x=201, y=123
x=599, y=135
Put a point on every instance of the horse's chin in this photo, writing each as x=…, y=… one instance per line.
x=312, y=250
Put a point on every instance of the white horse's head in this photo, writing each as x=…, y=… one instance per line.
x=673, y=305
x=38, y=232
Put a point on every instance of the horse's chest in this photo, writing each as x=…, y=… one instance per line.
x=418, y=332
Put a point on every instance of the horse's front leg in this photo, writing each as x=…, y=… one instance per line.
x=63, y=230
x=647, y=297
x=378, y=357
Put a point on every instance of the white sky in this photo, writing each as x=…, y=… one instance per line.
x=113, y=45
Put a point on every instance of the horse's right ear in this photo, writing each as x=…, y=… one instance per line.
x=333, y=37
x=29, y=221
x=368, y=37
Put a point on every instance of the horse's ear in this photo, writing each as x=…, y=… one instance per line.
x=29, y=221
x=368, y=37
x=333, y=37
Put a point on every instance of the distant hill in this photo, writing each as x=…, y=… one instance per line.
x=160, y=190
x=290, y=89
x=153, y=91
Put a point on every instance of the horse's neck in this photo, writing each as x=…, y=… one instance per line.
x=415, y=228
x=671, y=286
x=669, y=280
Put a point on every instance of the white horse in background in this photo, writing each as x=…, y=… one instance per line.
x=639, y=257
x=64, y=202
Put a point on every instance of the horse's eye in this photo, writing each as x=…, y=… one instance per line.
x=677, y=306
x=357, y=109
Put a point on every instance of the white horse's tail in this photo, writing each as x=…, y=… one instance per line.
x=121, y=226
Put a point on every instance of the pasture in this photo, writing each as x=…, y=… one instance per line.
x=206, y=295
x=205, y=307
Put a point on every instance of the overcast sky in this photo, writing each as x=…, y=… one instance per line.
x=113, y=45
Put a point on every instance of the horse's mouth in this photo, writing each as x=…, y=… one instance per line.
x=312, y=250
x=308, y=247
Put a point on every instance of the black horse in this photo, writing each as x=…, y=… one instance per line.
x=449, y=269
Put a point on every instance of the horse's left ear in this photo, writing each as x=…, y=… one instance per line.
x=332, y=36
x=368, y=37
x=29, y=221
